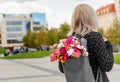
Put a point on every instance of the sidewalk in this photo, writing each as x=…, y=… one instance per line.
x=39, y=70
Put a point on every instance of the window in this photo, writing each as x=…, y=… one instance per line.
x=27, y=25
x=107, y=10
x=0, y=41
x=14, y=29
x=14, y=35
x=39, y=18
x=36, y=23
x=14, y=22
x=14, y=41
x=101, y=12
x=36, y=28
x=104, y=11
x=0, y=35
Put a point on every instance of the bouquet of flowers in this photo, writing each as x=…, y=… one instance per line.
x=68, y=48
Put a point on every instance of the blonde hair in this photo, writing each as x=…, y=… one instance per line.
x=84, y=19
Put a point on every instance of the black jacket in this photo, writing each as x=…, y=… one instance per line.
x=100, y=54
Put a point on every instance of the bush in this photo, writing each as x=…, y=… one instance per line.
x=117, y=58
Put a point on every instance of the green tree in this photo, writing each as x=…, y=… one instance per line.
x=31, y=41
x=26, y=39
x=101, y=30
x=64, y=28
x=62, y=33
x=50, y=37
x=40, y=38
x=113, y=33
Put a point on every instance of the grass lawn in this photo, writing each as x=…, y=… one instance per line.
x=40, y=54
x=37, y=54
x=117, y=58
x=2, y=50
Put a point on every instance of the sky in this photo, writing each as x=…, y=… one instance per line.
x=57, y=11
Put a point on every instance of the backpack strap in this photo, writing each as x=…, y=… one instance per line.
x=99, y=75
x=78, y=35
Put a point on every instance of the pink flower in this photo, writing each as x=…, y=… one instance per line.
x=67, y=46
x=53, y=57
x=56, y=52
x=76, y=53
x=69, y=40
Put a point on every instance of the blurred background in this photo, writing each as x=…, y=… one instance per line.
x=31, y=25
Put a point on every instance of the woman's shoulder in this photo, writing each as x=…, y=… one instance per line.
x=93, y=35
x=93, y=38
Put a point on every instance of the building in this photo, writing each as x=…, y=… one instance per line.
x=117, y=8
x=38, y=21
x=14, y=26
x=106, y=16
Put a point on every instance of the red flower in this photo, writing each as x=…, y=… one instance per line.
x=63, y=50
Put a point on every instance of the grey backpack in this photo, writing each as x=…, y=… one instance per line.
x=79, y=69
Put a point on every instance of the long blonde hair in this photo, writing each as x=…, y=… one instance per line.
x=84, y=19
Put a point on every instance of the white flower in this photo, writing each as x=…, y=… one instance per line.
x=72, y=39
x=76, y=42
x=82, y=47
x=85, y=49
x=78, y=46
x=71, y=45
x=87, y=54
x=70, y=52
x=60, y=45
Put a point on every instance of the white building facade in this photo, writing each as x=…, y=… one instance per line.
x=14, y=26
x=106, y=16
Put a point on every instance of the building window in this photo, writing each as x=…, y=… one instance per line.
x=14, y=41
x=14, y=35
x=39, y=18
x=107, y=10
x=14, y=29
x=101, y=12
x=37, y=23
x=0, y=41
x=104, y=11
x=27, y=25
x=14, y=22
x=0, y=35
x=36, y=28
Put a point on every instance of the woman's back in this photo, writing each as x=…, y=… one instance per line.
x=100, y=54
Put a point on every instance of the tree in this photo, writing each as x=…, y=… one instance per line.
x=26, y=39
x=62, y=33
x=64, y=29
x=40, y=38
x=50, y=37
x=101, y=30
x=29, y=39
x=113, y=33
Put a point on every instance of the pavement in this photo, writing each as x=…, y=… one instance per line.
x=39, y=70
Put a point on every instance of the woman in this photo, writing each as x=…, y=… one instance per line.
x=84, y=21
